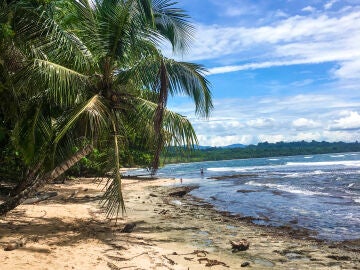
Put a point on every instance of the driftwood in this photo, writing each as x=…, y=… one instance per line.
x=172, y=262
x=210, y=263
x=15, y=244
x=241, y=245
x=40, y=197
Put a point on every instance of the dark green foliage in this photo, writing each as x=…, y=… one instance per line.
x=263, y=150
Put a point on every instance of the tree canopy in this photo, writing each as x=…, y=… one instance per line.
x=82, y=75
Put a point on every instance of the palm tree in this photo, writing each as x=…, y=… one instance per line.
x=92, y=72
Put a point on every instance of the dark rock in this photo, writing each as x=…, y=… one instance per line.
x=181, y=192
x=245, y=191
x=244, y=264
x=129, y=227
x=241, y=245
x=152, y=195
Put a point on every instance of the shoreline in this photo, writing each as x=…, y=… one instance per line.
x=293, y=232
x=71, y=232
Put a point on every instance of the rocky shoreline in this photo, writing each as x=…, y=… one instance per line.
x=298, y=249
x=177, y=231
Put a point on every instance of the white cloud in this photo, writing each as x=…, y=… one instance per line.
x=292, y=118
x=330, y=3
x=348, y=69
x=271, y=138
x=225, y=140
x=316, y=38
x=308, y=9
x=304, y=123
x=349, y=122
x=261, y=123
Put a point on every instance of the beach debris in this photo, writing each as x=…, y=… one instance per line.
x=40, y=197
x=153, y=195
x=339, y=257
x=200, y=253
x=128, y=228
x=244, y=264
x=210, y=263
x=172, y=262
x=164, y=211
x=240, y=245
x=15, y=244
x=176, y=202
x=188, y=258
x=115, y=267
x=73, y=194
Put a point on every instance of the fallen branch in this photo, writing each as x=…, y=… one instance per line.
x=210, y=263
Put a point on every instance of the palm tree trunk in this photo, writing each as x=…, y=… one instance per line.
x=19, y=198
x=158, y=118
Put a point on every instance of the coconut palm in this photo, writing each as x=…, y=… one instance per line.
x=92, y=72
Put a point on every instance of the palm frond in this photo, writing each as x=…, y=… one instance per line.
x=177, y=128
x=172, y=23
x=188, y=78
x=95, y=112
x=64, y=84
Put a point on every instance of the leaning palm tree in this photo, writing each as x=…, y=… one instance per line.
x=87, y=77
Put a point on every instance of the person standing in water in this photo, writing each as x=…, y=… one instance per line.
x=201, y=171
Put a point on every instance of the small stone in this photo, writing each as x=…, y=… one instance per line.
x=129, y=227
x=244, y=264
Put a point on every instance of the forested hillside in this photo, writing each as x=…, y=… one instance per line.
x=262, y=150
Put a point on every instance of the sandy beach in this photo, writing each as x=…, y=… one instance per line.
x=71, y=231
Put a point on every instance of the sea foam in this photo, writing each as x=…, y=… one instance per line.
x=353, y=163
x=287, y=188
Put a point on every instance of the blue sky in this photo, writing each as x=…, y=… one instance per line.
x=284, y=70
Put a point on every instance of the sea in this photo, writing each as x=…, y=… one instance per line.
x=319, y=193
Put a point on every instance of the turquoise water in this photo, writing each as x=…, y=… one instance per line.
x=316, y=192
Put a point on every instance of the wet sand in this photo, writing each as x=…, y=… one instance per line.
x=70, y=231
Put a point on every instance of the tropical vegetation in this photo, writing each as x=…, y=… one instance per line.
x=261, y=150
x=80, y=78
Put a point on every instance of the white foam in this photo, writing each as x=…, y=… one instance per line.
x=273, y=159
x=357, y=200
x=227, y=169
x=351, y=185
x=286, y=188
x=308, y=157
x=353, y=163
x=335, y=156
x=296, y=175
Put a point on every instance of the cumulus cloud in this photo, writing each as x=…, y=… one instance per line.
x=261, y=123
x=349, y=122
x=291, y=118
x=303, y=123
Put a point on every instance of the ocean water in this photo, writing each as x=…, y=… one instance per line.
x=317, y=192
